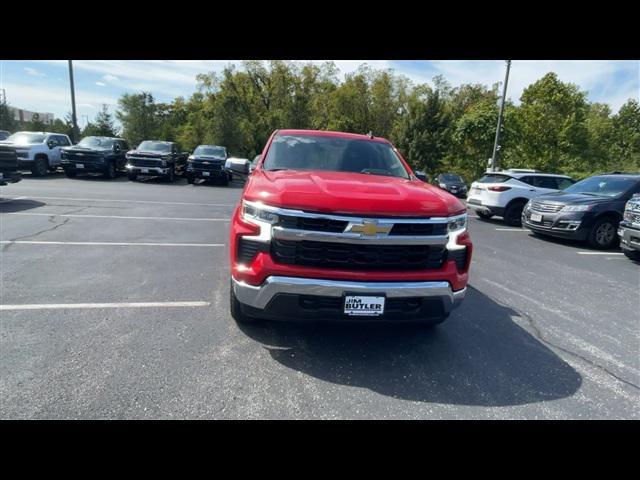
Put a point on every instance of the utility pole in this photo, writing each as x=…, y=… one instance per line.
x=496, y=144
x=76, y=132
x=3, y=104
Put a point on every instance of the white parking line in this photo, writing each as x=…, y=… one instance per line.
x=62, y=306
x=123, y=244
x=118, y=217
x=128, y=201
x=600, y=253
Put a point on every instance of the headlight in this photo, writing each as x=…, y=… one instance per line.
x=190, y=158
x=576, y=208
x=458, y=223
x=442, y=185
x=253, y=212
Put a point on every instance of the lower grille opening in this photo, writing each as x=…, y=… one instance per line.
x=248, y=249
x=460, y=257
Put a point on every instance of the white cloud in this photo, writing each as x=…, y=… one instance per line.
x=34, y=72
x=100, y=84
x=110, y=78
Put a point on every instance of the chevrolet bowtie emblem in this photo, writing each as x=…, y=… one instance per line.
x=370, y=229
x=205, y=163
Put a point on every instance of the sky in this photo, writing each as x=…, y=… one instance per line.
x=43, y=85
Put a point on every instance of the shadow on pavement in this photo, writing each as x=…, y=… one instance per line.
x=8, y=205
x=479, y=356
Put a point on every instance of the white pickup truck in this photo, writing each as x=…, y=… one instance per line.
x=38, y=151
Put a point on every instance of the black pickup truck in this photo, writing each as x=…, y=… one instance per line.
x=104, y=155
x=9, y=165
x=208, y=162
x=629, y=229
x=156, y=158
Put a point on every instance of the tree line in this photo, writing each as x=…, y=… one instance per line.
x=436, y=127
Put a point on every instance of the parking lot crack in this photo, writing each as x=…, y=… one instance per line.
x=537, y=333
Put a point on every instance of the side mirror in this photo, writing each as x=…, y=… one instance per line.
x=116, y=148
x=241, y=167
x=51, y=144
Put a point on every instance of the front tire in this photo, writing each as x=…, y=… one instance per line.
x=483, y=216
x=40, y=167
x=236, y=308
x=110, y=171
x=603, y=234
x=171, y=176
x=133, y=176
x=70, y=174
x=191, y=180
x=632, y=255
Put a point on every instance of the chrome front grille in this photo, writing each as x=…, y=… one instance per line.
x=546, y=207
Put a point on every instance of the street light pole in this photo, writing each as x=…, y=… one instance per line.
x=496, y=144
x=74, y=119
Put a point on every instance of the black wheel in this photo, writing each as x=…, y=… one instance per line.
x=110, y=171
x=236, y=308
x=191, y=180
x=513, y=214
x=482, y=215
x=632, y=255
x=70, y=173
x=132, y=176
x=603, y=233
x=224, y=182
x=171, y=176
x=40, y=167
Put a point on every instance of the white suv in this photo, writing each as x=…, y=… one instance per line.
x=38, y=151
x=505, y=193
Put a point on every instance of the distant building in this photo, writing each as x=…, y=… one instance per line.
x=22, y=115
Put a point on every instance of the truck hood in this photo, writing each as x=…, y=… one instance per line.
x=350, y=193
x=19, y=145
x=86, y=149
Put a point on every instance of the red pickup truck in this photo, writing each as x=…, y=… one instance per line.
x=335, y=226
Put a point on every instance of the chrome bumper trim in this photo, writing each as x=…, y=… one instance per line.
x=280, y=233
x=161, y=171
x=260, y=296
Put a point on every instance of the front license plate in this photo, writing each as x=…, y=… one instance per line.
x=536, y=217
x=79, y=165
x=205, y=174
x=144, y=170
x=357, y=305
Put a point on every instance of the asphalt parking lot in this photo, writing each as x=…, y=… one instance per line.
x=115, y=305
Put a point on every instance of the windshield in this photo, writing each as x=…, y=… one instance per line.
x=494, y=178
x=23, y=138
x=451, y=178
x=211, y=151
x=95, y=142
x=603, y=186
x=314, y=152
x=154, y=146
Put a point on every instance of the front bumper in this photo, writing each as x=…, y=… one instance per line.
x=87, y=167
x=295, y=298
x=573, y=226
x=207, y=174
x=477, y=205
x=629, y=237
x=147, y=170
x=10, y=177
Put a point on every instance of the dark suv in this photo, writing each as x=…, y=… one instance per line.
x=207, y=162
x=9, y=165
x=589, y=210
x=452, y=183
x=156, y=158
x=104, y=155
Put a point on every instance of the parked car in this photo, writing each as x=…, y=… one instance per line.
x=421, y=175
x=38, y=151
x=239, y=166
x=452, y=183
x=4, y=134
x=505, y=193
x=105, y=155
x=590, y=210
x=9, y=165
x=156, y=158
x=629, y=229
x=208, y=162
x=335, y=226
x=254, y=163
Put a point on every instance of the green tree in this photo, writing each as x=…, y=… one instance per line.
x=625, y=137
x=102, y=126
x=7, y=120
x=137, y=114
